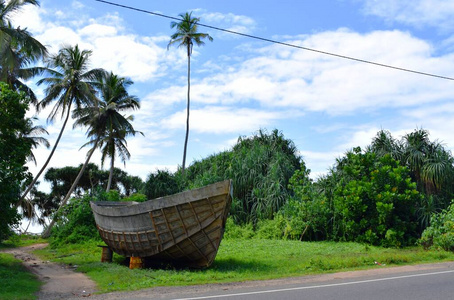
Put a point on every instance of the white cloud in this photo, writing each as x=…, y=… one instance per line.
x=30, y=17
x=77, y=5
x=98, y=30
x=418, y=13
x=229, y=21
x=129, y=56
x=316, y=82
x=216, y=119
x=114, y=48
x=319, y=162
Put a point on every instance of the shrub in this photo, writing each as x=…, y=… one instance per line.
x=377, y=205
x=271, y=229
x=234, y=231
x=440, y=233
x=76, y=222
x=137, y=197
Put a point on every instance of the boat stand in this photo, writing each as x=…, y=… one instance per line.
x=107, y=254
x=135, y=262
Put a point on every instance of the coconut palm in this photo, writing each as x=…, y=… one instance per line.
x=102, y=118
x=186, y=36
x=18, y=49
x=71, y=84
x=33, y=136
x=113, y=91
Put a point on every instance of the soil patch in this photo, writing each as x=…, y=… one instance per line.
x=60, y=281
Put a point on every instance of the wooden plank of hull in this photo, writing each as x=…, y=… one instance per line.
x=186, y=228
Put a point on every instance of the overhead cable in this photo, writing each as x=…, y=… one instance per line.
x=280, y=43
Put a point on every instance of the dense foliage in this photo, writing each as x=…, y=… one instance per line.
x=14, y=150
x=364, y=199
x=92, y=178
x=440, y=233
x=260, y=167
x=161, y=183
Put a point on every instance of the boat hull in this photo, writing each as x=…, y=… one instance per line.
x=185, y=228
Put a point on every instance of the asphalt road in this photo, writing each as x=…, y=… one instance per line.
x=415, y=285
x=418, y=282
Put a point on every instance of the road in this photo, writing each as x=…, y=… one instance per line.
x=415, y=284
x=434, y=285
x=430, y=281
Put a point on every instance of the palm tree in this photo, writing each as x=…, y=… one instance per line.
x=102, y=118
x=113, y=91
x=383, y=143
x=32, y=136
x=430, y=164
x=18, y=49
x=186, y=35
x=70, y=83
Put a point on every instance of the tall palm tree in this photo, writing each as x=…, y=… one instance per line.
x=18, y=49
x=102, y=118
x=70, y=83
x=186, y=35
x=113, y=91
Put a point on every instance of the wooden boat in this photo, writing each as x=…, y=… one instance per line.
x=185, y=228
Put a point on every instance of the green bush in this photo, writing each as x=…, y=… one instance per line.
x=76, y=223
x=137, y=197
x=364, y=198
x=271, y=229
x=377, y=205
x=440, y=233
x=234, y=231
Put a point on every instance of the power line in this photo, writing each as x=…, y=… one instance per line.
x=281, y=43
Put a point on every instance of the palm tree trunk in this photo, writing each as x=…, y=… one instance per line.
x=187, y=111
x=109, y=183
x=46, y=233
x=50, y=155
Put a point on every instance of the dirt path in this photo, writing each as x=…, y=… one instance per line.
x=60, y=282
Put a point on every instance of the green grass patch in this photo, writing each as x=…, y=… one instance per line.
x=241, y=260
x=16, y=282
x=21, y=241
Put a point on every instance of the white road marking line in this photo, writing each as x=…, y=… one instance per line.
x=315, y=286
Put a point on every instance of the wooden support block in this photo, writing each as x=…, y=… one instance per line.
x=107, y=254
x=135, y=262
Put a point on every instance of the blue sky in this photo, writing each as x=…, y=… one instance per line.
x=325, y=104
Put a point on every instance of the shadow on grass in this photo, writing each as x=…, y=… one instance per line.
x=241, y=266
x=219, y=265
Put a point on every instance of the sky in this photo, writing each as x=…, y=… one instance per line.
x=325, y=104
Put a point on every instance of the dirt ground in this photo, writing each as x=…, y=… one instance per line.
x=62, y=282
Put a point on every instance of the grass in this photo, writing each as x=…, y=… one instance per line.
x=21, y=241
x=241, y=260
x=16, y=282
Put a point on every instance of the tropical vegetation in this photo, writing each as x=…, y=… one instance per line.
x=390, y=193
x=15, y=148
